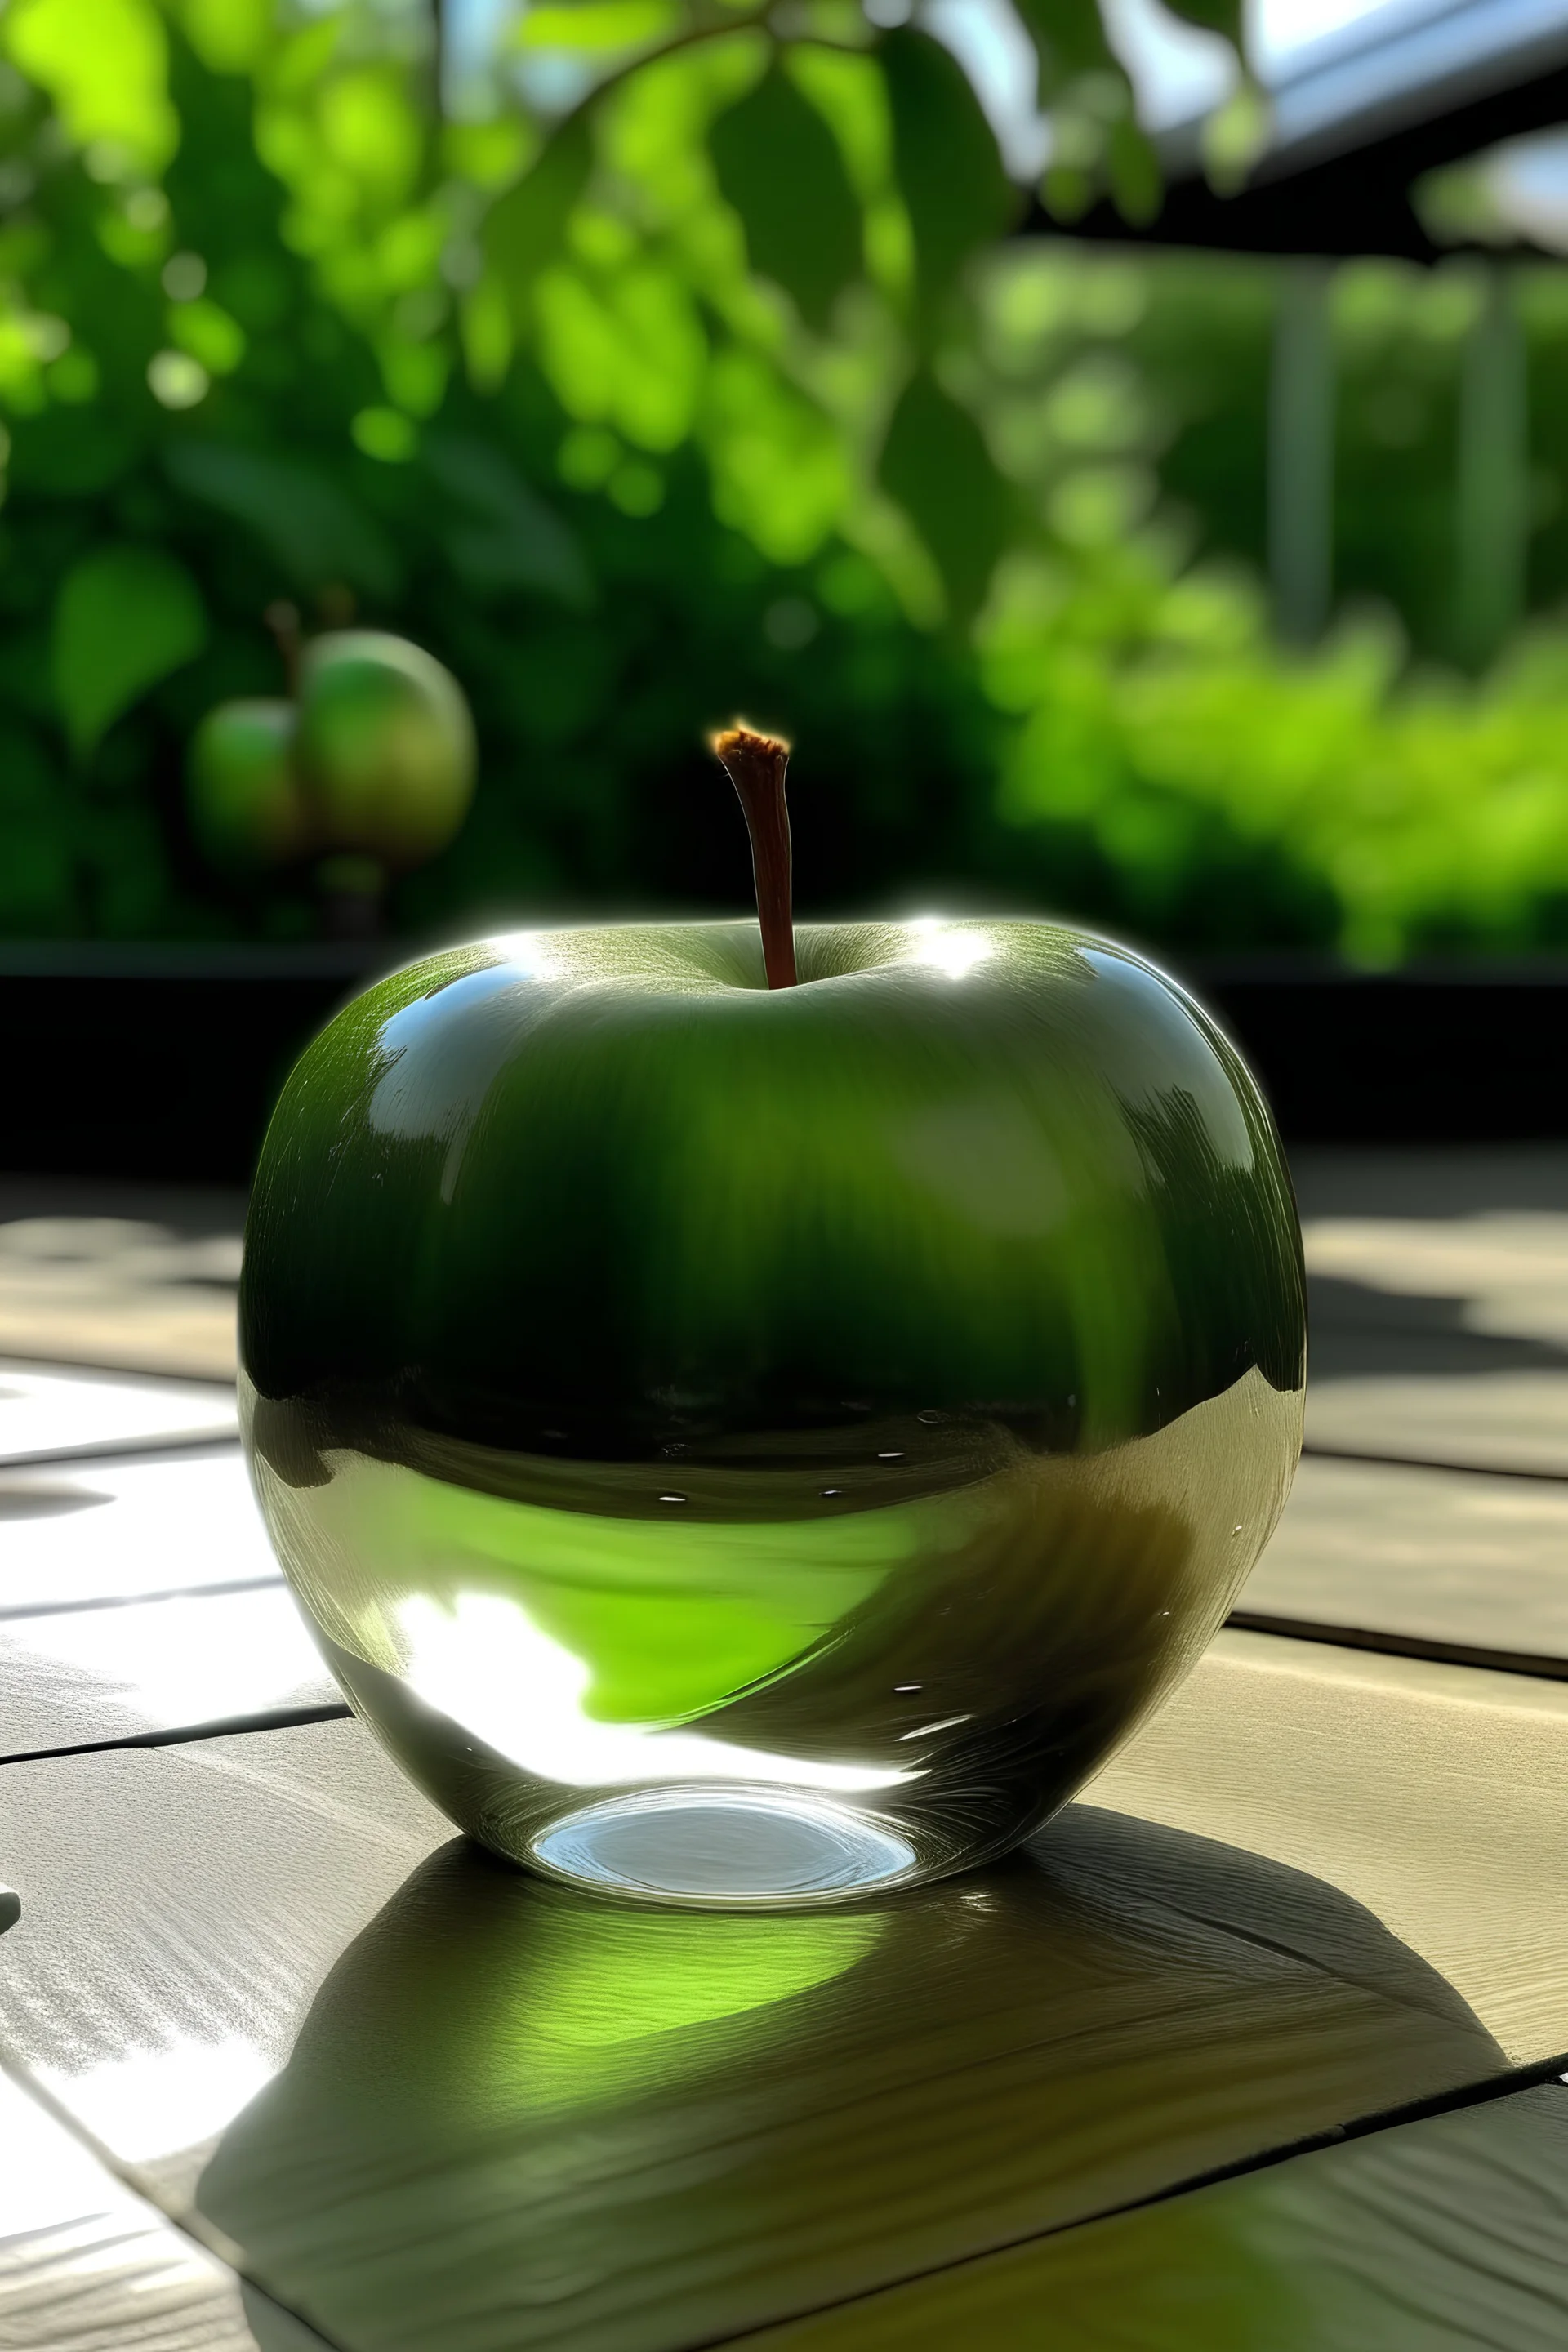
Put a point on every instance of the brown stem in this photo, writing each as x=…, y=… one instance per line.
x=282, y=621
x=755, y=765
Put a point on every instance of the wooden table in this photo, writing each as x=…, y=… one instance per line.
x=1256, y=2049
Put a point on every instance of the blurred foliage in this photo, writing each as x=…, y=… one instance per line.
x=686, y=374
x=1175, y=768
x=1182, y=773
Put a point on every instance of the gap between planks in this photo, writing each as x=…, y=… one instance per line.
x=1474, y=2094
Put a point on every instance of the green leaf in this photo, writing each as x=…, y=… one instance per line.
x=596, y=25
x=1069, y=41
x=125, y=617
x=504, y=534
x=311, y=525
x=949, y=172
x=1135, y=177
x=936, y=465
x=525, y=229
x=780, y=166
x=105, y=63
x=209, y=334
x=1095, y=133
x=1236, y=137
x=72, y=452
x=1224, y=16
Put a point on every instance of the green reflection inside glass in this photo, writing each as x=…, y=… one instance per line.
x=872, y=1392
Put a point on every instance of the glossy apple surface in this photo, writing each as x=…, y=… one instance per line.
x=746, y=1444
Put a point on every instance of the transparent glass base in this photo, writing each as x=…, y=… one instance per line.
x=791, y=1693
x=724, y=1847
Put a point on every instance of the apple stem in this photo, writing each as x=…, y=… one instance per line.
x=282, y=621
x=755, y=765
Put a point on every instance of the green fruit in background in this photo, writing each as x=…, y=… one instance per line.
x=246, y=808
x=747, y=1444
x=385, y=745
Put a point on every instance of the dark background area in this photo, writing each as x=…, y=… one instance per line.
x=148, y=1063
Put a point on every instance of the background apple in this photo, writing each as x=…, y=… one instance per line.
x=385, y=745
x=366, y=770
x=744, y=1443
x=248, y=811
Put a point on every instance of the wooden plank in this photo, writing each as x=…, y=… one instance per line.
x=513, y=2116
x=86, y=2266
x=60, y=1415
x=1450, y=2235
x=1506, y=1421
x=1430, y=1793
x=138, y=1278
x=106, y=1531
x=1442, y=1556
x=1433, y=1182
x=1439, y=1282
x=177, y=1922
x=79, y=1677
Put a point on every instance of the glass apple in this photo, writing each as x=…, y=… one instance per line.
x=753, y=1444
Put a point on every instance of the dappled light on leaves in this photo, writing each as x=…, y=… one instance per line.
x=687, y=359
x=780, y=167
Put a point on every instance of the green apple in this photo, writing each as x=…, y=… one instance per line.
x=385, y=745
x=246, y=808
x=747, y=1444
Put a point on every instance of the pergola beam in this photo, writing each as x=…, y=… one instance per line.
x=1343, y=188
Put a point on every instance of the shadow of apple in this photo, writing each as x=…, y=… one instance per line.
x=518, y=2116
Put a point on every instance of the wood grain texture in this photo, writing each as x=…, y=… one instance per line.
x=141, y=1278
x=1506, y=1421
x=88, y=2266
x=1439, y=1555
x=517, y=2117
x=177, y=1919
x=507, y=2116
x=1448, y=2236
x=1432, y=1794
x=1439, y=1282
x=77, y=1677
